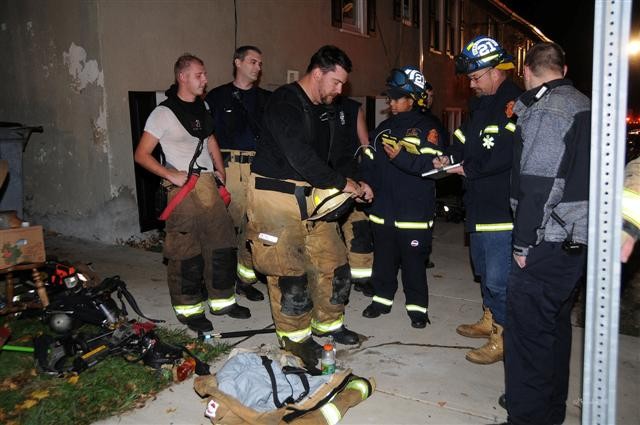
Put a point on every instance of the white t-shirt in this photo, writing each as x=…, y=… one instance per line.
x=177, y=144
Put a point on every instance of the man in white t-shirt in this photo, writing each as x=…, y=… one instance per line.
x=200, y=239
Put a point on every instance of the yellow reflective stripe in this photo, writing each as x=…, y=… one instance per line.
x=369, y=153
x=383, y=301
x=219, y=304
x=189, y=310
x=414, y=224
x=431, y=151
x=295, y=336
x=360, y=273
x=493, y=129
x=496, y=227
x=376, y=219
x=631, y=207
x=411, y=139
x=246, y=273
x=510, y=126
x=324, y=327
x=331, y=413
x=460, y=136
x=413, y=307
x=359, y=385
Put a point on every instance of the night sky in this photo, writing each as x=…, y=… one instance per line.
x=570, y=24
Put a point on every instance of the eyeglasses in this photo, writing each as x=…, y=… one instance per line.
x=476, y=79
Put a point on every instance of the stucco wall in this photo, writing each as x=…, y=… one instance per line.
x=69, y=64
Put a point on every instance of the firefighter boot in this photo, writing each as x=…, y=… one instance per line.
x=248, y=290
x=308, y=350
x=492, y=351
x=480, y=329
x=374, y=310
x=341, y=336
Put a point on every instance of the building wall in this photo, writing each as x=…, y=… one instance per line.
x=69, y=65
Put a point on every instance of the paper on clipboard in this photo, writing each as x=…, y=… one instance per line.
x=436, y=172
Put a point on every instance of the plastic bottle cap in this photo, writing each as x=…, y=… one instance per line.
x=25, y=224
x=328, y=347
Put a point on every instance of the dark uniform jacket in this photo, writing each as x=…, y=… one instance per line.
x=300, y=144
x=403, y=198
x=485, y=143
x=237, y=115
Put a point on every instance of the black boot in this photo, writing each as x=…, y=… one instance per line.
x=234, y=310
x=249, y=291
x=374, y=310
x=365, y=287
x=308, y=350
x=341, y=336
x=419, y=321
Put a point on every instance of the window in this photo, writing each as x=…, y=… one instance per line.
x=521, y=52
x=407, y=11
x=444, y=21
x=451, y=119
x=492, y=28
x=434, y=25
x=357, y=16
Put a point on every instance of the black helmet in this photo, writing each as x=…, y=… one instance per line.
x=408, y=81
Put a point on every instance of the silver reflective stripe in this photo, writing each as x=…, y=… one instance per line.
x=414, y=224
x=384, y=301
x=218, y=304
x=295, y=336
x=413, y=307
x=189, y=310
x=496, y=227
x=331, y=413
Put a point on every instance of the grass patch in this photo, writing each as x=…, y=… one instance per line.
x=109, y=388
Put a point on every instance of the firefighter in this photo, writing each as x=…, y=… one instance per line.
x=237, y=109
x=355, y=226
x=484, y=145
x=401, y=216
x=304, y=260
x=200, y=240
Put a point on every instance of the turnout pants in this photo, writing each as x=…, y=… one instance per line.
x=237, y=166
x=356, y=231
x=407, y=250
x=305, y=261
x=538, y=334
x=200, y=249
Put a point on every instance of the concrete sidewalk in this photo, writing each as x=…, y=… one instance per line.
x=421, y=374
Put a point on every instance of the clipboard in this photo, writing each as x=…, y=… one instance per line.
x=438, y=173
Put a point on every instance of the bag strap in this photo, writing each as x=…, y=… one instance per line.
x=287, y=370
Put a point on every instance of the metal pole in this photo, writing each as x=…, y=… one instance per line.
x=609, y=103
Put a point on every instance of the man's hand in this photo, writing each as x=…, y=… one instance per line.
x=221, y=176
x=440, y=161
x=457, y=170
x=178, y=178
x=368, y=193
x=628, y=243
x=520, y=260
x=353, y=188
x=391, y=151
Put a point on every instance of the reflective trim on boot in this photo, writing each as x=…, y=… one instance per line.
x=480, y=329
x=295, y=336
x=219, y=304
x=326, y=327
x=189, y=310
x=246, y=274
x=492, y=351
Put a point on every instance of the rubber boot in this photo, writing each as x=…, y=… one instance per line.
x=480, y=329
x=308, y=350
x=492, y=351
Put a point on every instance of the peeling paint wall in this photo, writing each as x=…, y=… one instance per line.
x=69, y=65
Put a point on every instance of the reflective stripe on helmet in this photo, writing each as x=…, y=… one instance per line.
x=295, y=336
x=189, y=310
x=413, y=307
x=383, y=301
x=219, y=304
x=324, y=327
x=495, y=227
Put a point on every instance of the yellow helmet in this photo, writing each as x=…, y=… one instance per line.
x=329, y=204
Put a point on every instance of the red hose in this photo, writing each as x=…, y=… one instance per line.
x=175, y=201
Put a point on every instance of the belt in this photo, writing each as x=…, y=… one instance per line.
x=240, y=158
x=300, y=192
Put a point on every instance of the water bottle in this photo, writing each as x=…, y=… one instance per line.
x=328, y=360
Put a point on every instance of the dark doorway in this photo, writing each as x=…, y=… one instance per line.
x=141, y=103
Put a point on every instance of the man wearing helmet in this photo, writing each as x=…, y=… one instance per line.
x=401, y=216
x=305, y=261
x=484, y=145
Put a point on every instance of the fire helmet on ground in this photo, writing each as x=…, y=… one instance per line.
x=483, y=52
x=329, y=204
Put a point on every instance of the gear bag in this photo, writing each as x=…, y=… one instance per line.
x=253, y=389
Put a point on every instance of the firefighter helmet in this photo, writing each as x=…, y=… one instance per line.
x=329, y=204
x=482, y=52
x=408, y=81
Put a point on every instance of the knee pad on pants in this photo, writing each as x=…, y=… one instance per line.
x=187, y=276
x=294, y=292
x=341, y=285
x=362, y=242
